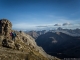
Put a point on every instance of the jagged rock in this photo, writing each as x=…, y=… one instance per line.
x=8, y=43
x=5, y=27
x=18, y=46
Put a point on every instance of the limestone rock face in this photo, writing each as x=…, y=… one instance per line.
x=5, y=27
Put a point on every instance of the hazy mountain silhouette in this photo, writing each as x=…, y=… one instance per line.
x=35, y=34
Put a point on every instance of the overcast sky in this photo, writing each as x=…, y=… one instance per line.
x=41, y=14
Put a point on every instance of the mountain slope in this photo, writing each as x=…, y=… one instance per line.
x=59, y=44
x=23, y=48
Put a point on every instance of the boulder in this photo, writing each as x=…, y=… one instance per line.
x=8, y=43
x=18, y=46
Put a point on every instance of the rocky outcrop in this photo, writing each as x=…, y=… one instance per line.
x=8, y=43
x=24, y=44
x=5, y=27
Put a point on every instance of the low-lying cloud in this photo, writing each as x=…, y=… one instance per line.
x=66, y=24
x=57, y=25
x=41, y=26
x=23, y=26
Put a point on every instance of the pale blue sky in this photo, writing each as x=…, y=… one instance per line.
x=41, y=14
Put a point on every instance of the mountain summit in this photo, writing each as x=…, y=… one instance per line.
x=23, y=47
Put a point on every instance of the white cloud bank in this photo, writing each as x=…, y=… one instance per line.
x=26, y=26
x=50, y=22
x=23, y=26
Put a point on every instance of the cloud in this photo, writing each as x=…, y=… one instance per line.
x=66, y=24
x=41, y=26
x=57, y=25
x=23, y=26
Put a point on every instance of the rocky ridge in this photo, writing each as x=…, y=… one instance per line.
x=23, y=48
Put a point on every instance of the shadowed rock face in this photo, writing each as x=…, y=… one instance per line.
x=60, y=44
x=5, y=27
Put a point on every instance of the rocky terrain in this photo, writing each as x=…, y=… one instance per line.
x=60, y=44
x=71, y=32
x=23, y=48
x=35, y=34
